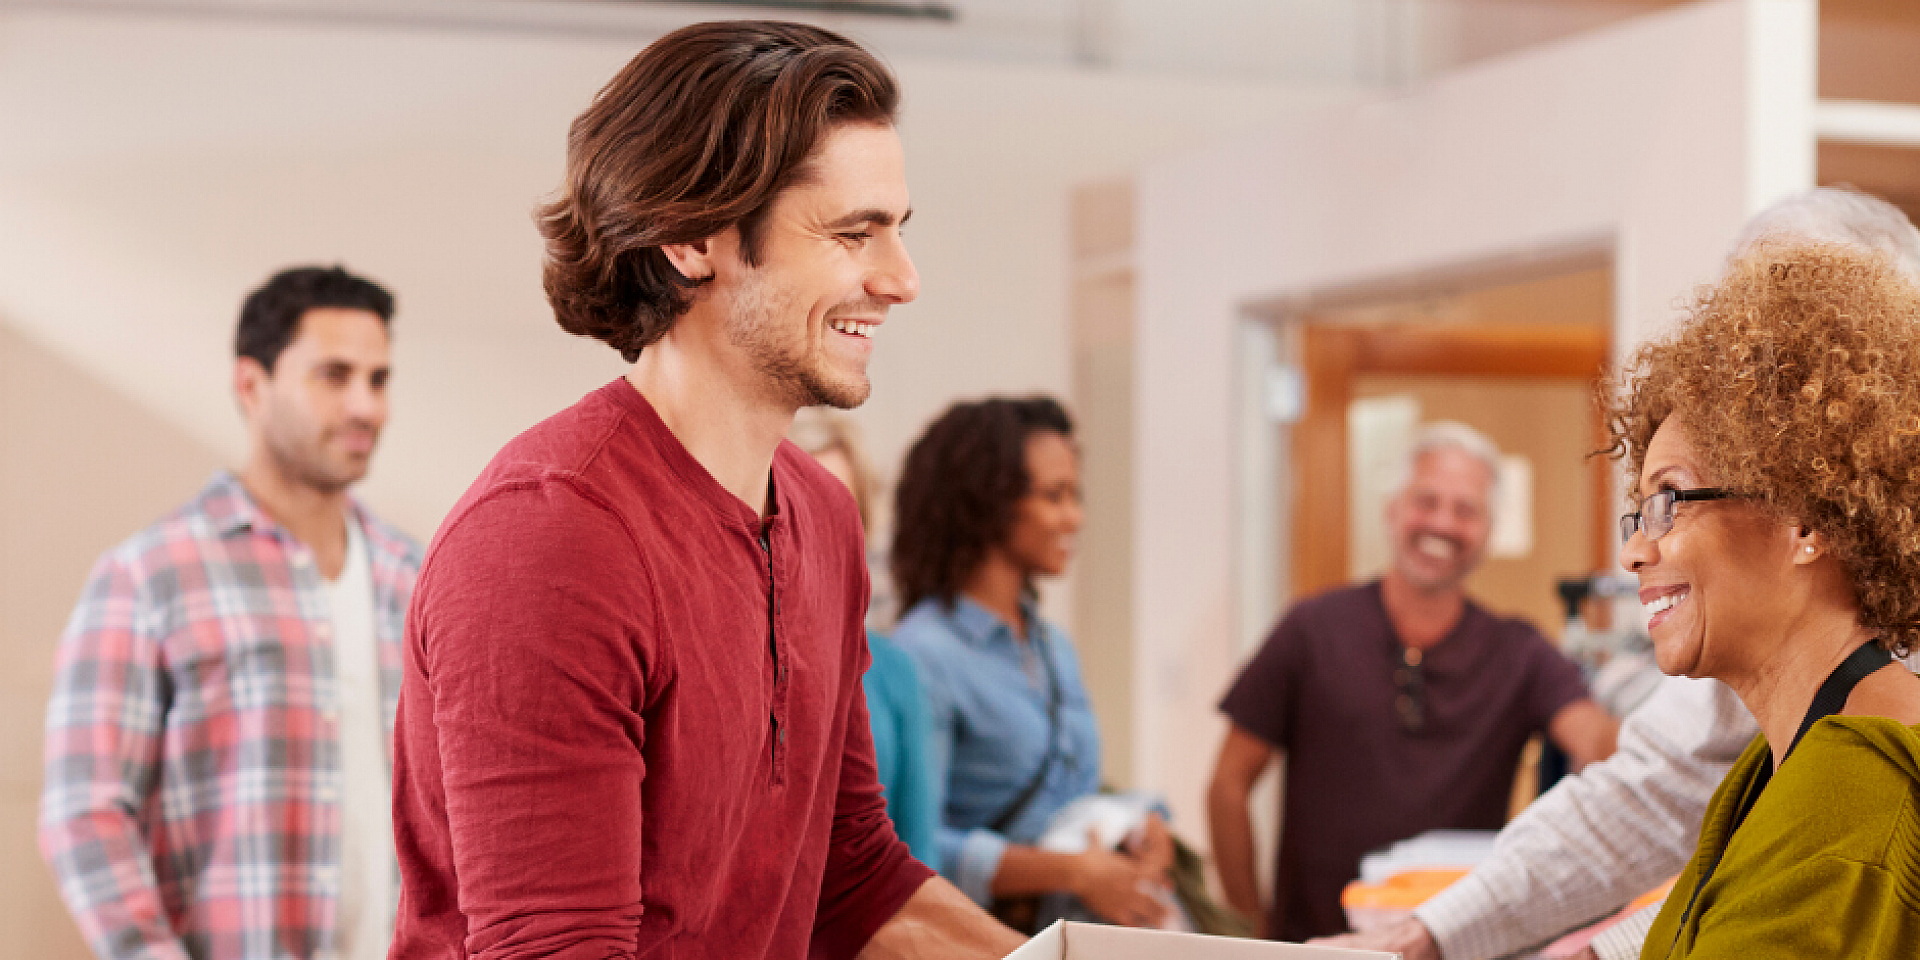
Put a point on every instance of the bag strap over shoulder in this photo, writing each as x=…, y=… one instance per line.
x=1024, y=798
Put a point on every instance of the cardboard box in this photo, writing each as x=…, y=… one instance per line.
x=1088, y=941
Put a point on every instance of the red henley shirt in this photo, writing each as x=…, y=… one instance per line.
x=631, y=723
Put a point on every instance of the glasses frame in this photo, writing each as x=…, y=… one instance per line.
x=1639, y=522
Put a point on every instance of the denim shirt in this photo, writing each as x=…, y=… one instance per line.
x=990, y=730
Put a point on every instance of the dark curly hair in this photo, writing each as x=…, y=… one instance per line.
x=1798, y=372
x=271, y=315
x=697, y=134
x=958, y=491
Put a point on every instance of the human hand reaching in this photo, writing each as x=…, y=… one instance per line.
x=1152, y=846
x=1409, y=938
x=1118, y=887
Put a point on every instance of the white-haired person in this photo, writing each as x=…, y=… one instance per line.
x=1399, y=705
x=896, y=700
x=1620, y=828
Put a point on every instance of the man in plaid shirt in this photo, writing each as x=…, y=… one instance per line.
x=217, y=743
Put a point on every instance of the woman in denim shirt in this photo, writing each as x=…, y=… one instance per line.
x=990, y=499
x=896, y=704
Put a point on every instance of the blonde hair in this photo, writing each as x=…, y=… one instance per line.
x=822, y=430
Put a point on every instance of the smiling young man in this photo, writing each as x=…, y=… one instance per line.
x=632, y=722
x=217, y=777
x=1400, y=706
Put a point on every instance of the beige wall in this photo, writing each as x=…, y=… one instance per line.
x=1103, y=391
x=153, y=169
x=81, y=467
x=1654, y=139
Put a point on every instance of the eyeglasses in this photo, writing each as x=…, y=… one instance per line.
x=1655, y=516
x=1410, y=684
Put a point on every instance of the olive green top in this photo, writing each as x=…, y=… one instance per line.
x=1827, y=863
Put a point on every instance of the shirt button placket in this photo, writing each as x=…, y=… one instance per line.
x=776, y=711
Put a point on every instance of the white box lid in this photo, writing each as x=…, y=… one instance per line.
x=1067, y=940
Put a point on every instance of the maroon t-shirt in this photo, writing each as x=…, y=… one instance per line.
x=1322, y=691
x=629, y=729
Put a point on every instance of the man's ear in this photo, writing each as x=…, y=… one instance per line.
x=249, y=385
x=693, y=260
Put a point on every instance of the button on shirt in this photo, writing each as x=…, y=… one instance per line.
x=989, y=702
x=632, y=721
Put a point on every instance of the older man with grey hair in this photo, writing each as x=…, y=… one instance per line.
x=1399, y=705
x=1619, y=828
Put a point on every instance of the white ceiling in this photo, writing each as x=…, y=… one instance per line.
x=1313, y=42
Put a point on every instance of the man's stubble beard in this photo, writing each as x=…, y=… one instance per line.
x=754, y=327
x=301, y=462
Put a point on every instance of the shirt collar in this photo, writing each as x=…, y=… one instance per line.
x=227, y=503
x=980, y=626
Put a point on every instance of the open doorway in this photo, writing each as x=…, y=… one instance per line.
x=1517, y=359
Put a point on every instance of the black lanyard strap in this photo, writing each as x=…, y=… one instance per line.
x=1829, y=700
x=1833, y=694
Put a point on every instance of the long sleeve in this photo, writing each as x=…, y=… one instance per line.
x=969, y=858
x=1623, y=940
x=1604, y=836
x=869, y=875
x=537, y=677
x=105, y=726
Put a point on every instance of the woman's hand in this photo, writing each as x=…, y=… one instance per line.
x=1119, y=888
x=1152, y=847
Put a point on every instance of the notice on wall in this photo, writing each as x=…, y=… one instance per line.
x=1513, y=515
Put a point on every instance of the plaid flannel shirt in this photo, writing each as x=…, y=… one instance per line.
x=191, y=805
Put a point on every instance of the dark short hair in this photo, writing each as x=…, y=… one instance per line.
x=271, y=315
x=697, y=134
x=959, y=489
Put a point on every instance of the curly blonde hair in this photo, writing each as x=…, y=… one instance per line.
x=1800, y=375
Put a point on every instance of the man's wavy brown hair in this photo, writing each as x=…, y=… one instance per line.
x=1798, y=375
x=697, y=134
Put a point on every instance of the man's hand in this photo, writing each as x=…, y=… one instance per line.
x=939, y=923
x=1409, y=938
x=1119, y=887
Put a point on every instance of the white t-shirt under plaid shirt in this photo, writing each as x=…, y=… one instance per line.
x=193, y=780
x=365, y=922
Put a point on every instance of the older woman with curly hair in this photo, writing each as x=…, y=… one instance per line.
x=988, y=501
x=1776, y=441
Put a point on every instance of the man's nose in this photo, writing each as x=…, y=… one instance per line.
x=895, y=279
x=366, y=402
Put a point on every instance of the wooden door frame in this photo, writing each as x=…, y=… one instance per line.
x=1333, y=355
